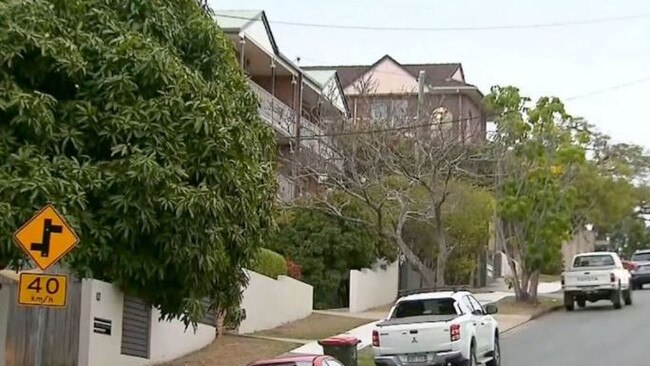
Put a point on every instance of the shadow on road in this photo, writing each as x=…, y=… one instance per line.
x=595, y=307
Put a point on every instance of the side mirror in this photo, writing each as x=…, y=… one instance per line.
x=491, y=309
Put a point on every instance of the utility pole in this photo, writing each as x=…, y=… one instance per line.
x=419, y=118
x=421, y=77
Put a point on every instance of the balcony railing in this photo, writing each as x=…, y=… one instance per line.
x=286, y=188
x=278, y=114
x=319, y=144
x=283, y=119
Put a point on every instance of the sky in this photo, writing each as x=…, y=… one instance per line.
x=601, y=70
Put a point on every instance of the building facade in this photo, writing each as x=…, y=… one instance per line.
x=400, y=93
x=295, y=102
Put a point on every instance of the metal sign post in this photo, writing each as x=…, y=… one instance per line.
x=40, y=329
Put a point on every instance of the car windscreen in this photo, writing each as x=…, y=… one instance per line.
x=641, y=257
x=425, y=307
x=594, y=261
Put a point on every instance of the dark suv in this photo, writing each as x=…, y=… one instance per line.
x=641, y=268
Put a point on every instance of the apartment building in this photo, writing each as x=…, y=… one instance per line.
x=297, y=103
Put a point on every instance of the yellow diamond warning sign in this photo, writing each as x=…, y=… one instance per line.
x=37, y=289
x=46, y=237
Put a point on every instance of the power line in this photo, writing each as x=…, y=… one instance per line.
x=448, y=29
x=611, y=88
x=389, y=129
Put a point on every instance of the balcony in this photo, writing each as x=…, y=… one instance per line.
x=286, y=188
x=276, y=113
x=320, y=145
x=283, y=119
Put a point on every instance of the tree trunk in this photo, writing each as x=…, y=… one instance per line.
x=471, y=278
x=532, y=288
x=441, y=260
x=427, y=274
x=517, y=283
x=441, y=267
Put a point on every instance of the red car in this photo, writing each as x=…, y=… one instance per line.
x=299, y=360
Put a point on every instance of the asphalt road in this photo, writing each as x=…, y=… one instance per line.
x=595, y=336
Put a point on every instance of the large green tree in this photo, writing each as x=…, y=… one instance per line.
x=133, y=118
x=540, y=150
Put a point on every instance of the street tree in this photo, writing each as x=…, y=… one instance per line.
x=401, y=167
x=610, y=185
x=133, y=118
x=539, y=151
x=629, y=235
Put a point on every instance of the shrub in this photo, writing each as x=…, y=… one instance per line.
x=327, y=248
x=294, y=270
x=270, y=264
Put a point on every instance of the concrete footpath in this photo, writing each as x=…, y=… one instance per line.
x=494, y=293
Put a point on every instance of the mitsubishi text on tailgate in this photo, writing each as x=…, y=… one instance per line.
x=438, y=328
x=596, y=276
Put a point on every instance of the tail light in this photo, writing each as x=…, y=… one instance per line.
x=612, y=277
x=454, y=332
x=375, y=338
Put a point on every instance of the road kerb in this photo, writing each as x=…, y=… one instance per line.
x=535, y=316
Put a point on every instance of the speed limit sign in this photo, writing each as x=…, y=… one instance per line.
x=36, y=289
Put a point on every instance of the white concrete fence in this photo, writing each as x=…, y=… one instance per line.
x=373, y=287
x=168, y=340
x=272, y=302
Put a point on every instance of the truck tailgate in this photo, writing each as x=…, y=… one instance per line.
x=587, y=278
x=415, y=338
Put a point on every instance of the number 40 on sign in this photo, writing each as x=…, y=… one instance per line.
x=36, y=289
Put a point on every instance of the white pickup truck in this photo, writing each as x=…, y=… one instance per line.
x=596, y=276
x=438, y=328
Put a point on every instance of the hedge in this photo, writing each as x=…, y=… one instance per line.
x=270, y=263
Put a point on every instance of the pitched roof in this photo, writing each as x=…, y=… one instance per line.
x=436, y=74
x=234, y=21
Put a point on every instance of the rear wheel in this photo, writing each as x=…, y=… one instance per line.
x=627, y=296
x=496, y=358
x=617, y=298
x=472, y=357
x=568, y=302
x=582, y=303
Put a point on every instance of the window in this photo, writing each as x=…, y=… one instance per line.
x=594, y=261
x=442, y=119
x=379, y=109
x=476, y=304
x=411, y=308
x=641, y=257
x=389, y=109
x=466, y=305
x=400, y=108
